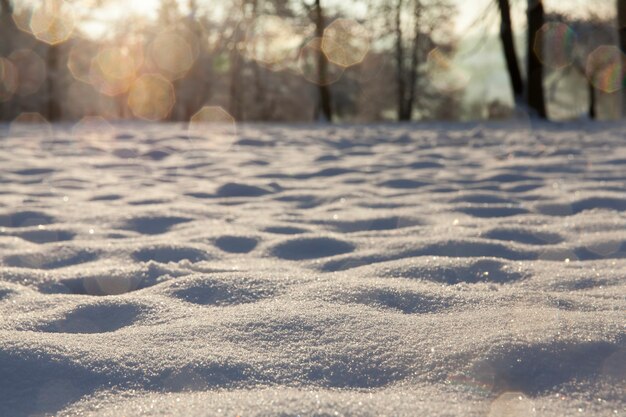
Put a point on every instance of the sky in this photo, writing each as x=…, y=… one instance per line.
x=118, y=9
x=469, y=11
x=479, y=54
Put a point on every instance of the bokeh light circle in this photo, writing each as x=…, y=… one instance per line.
x=614, y=368
x=370, y=68
x=93, y=131
x=22, y=13
x=29, y=124
x=111, y=284
x=605, y=247
x=82, y=99
x=555, y=44
x=106, y=84
x=444, y=75
x=605, y=68
x=116, y=63
x=479, y=379
x=512, y=404
x=309, y=61
x=52, y=21
x=31, y=71
x=79, y=59
x=345, y=42
x=272, y=42
x=172, y=54
x=151, y=97
x=215, y=127
x=8, y=79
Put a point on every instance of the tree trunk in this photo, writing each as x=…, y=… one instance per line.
x=6, y=7
x=413, y=74
x=510, y=55
x=7, y=31
x=621, y=27
x=53, y=106
x=325, y=103
x=534, y=88
x=592, y=100
x=261, y=111
x=234, y=105
x=400, y=83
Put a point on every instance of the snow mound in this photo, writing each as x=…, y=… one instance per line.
x=342, y=270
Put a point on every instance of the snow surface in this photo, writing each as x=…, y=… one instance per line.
x=435, y=270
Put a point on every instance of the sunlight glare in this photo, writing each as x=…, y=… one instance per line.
x=151, y=97
x=31, y=71
x=309, y=61
x=215, y=126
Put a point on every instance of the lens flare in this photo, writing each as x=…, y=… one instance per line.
x=110, y=284
x=554, y=45
x=272, y=42
x=512, y=404
x=370, y=68
x=614, y=367
x=31, y=71
x=445, y=76
x=105, y=84
x=81, y=53
x=605, y=248
x=8, y=79
x=116, y=63
x=172, y=54
x=215, y=127
x=309, y=63
x=52, y=21
x=605, y=68
x=22, y=13
x=345, y=42
x=114, y=68
x=93, y=131
x=151, y=97
x=82, y=99
x=479, y=379
x=30, y=124
x=558, y=254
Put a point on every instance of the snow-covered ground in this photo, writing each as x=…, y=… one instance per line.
x=434, y=270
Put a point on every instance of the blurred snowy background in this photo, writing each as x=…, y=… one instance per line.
x=304, y=60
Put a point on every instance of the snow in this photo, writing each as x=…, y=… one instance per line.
x=437, y=269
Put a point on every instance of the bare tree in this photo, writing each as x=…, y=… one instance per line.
x=259, y=84
x=236, y=65
x=53, y=107
x=400, y=82
x=246, y=12
x=6, y=8
x=592, y=32
x=534, y=86
x=5, y=33
x=621, y=26
x=406, y=57
x=8, y=30
x=406, y=67
x=317, y=15
x=417, y=27
x=510, y=55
